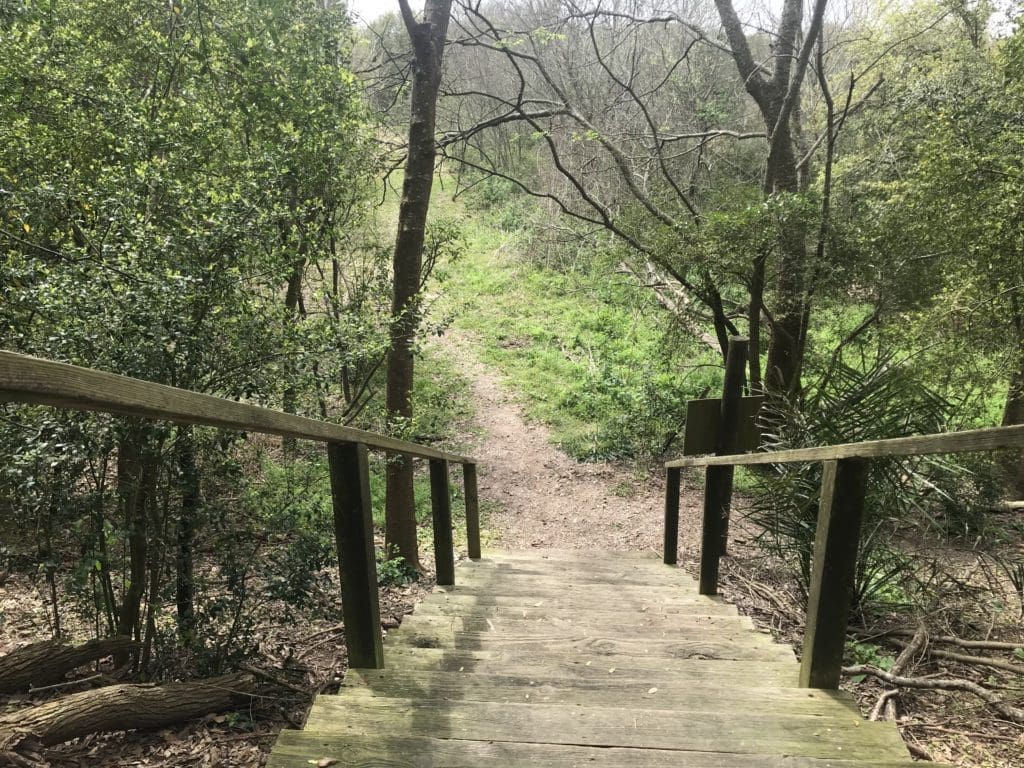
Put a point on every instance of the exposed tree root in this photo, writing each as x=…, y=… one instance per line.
x=1010, y=712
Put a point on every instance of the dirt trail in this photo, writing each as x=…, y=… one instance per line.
x=540, y=497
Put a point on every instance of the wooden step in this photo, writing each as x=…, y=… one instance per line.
x=468, y=608
x=569, y=602
x=571, y=659
x=701, y=671
x=773, y=733
x=298, y=749
x=654, y=625
x=754, y=647
x=667, y=690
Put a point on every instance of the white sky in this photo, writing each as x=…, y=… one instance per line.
x=368, y=10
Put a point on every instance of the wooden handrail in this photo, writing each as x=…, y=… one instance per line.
x=840, y=512
x=990, y=439
x=26, y=379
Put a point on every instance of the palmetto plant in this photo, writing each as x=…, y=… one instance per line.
x=847, y=404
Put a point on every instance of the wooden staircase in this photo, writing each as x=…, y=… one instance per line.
x=569, y=659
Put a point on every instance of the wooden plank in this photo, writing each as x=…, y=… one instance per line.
x=441, y=511
x=736, y=649
x=25, y=379
x=749, y=673
x=551, y=621
x=718, y=480
x=703, y=418
x=970, y=441
x=833, y=571
x=607, y=579
x=576, y=555
x=575, y=590
x=353, y=534
x=661, y=692
x=472, y=506
x=764, y=733
x=671, y=544
x=607, y=570
x=487, y=605
x=296, y=749
x=554, y=599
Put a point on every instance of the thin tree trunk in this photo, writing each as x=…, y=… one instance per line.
x=136, y=467
x=1013, y=412
x=189, y=488
x=428, y=39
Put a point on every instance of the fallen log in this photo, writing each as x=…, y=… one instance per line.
x=49, y=661
x=122, y=708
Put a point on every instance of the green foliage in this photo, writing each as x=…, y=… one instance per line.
x=595, y=357
x=394, y=572
x=183, y=189
x=847, y=404
x=869, y=654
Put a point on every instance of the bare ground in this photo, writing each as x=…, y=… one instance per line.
x=536, y=495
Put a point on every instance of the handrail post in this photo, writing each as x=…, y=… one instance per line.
x=472, y=510
x=718, y=480
x=441, y=508
x=353, y=533
x=833, y=571
x=672, y=478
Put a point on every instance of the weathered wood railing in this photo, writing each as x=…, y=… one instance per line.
x=25, y=379
x=839, y=521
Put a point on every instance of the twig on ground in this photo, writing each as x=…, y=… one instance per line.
x=1010, y=712
x=325, y=634
x=983, y=645
x=965, y=734
x=271, y=678
x=966, y=658
x=885, y=707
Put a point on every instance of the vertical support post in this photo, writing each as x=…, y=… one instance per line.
x=833, y=570
x=729, y=422
x=353, y=533
x=672, y=476
x=718, y=480
x=441, y=506
x=472, y=511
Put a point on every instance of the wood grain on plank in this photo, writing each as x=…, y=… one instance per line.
x=295, y=749
x=663, y=690
x=765, y=733
x=25, y=379
x=975, y=440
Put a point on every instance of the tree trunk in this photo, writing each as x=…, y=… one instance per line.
x=121, y=708
x=428, y=40
x=1013, y=412
x=189, y=487
x=47, y=662
x=136, y=475
x=776, y=92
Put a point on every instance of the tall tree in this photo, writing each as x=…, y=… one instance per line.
x=428, y=40
x=776, y=90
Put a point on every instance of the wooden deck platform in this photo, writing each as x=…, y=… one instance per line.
x=570, y=659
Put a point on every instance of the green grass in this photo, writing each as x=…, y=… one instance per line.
x=589, y=351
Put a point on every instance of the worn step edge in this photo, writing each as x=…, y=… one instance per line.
x=608, y=726
x=664, y=692
x=296, y=749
